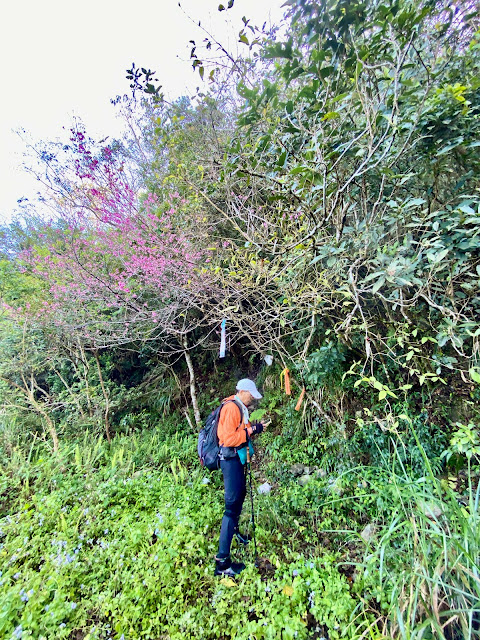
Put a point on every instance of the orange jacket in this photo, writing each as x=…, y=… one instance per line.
x=231, y=428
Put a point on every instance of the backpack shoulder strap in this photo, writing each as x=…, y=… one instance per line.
x=239, y=408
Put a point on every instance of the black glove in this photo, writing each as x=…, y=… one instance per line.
x=257, y=427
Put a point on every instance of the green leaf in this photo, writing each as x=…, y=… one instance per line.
x=466, y=208
x=414, y=202
x=325, y=72
x=440, y=256
x=474, y=374
x=330, y=115
x=316, y=259
x=449, y=147
x=282, y=160
x=372, y=276
x=280, y=50
x=378, y=285
x=382, y=395
x=258, y=414
x=301, y=169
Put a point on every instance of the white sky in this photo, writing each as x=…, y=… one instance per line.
x=62, y=59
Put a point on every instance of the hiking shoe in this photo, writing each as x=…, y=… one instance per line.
x=226, y=567
x=242, y=538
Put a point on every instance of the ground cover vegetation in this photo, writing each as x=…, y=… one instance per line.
x=321, y=195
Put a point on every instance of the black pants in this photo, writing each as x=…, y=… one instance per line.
x=235, y=490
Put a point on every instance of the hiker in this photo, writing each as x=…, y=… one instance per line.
x=233, y=431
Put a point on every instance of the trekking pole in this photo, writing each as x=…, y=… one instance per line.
x=251, y=502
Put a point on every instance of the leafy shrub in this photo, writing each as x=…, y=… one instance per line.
x=406, y=444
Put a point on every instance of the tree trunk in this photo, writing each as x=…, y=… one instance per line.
x=193, y=392
x=51, y=427
x=105, y=395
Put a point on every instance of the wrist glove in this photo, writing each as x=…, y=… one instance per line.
x=257, y=427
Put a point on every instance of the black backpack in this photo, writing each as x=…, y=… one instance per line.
x=208, y=447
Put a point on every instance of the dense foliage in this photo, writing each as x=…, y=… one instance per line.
x=322, y=197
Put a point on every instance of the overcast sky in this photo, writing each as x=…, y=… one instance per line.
x=63, y=59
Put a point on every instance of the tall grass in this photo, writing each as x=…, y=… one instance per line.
x=27, y=462
x=421, y=572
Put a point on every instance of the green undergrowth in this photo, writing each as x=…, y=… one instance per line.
x=117, y=541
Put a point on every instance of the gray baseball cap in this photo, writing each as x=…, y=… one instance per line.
x=248, y=385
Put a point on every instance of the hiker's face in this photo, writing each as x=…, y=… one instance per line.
x=246, y=397
x=249, y=399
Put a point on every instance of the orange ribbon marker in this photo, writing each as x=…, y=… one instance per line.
x=300, y=400
x=285, y=373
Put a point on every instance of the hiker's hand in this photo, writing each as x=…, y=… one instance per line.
x=257, y=427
